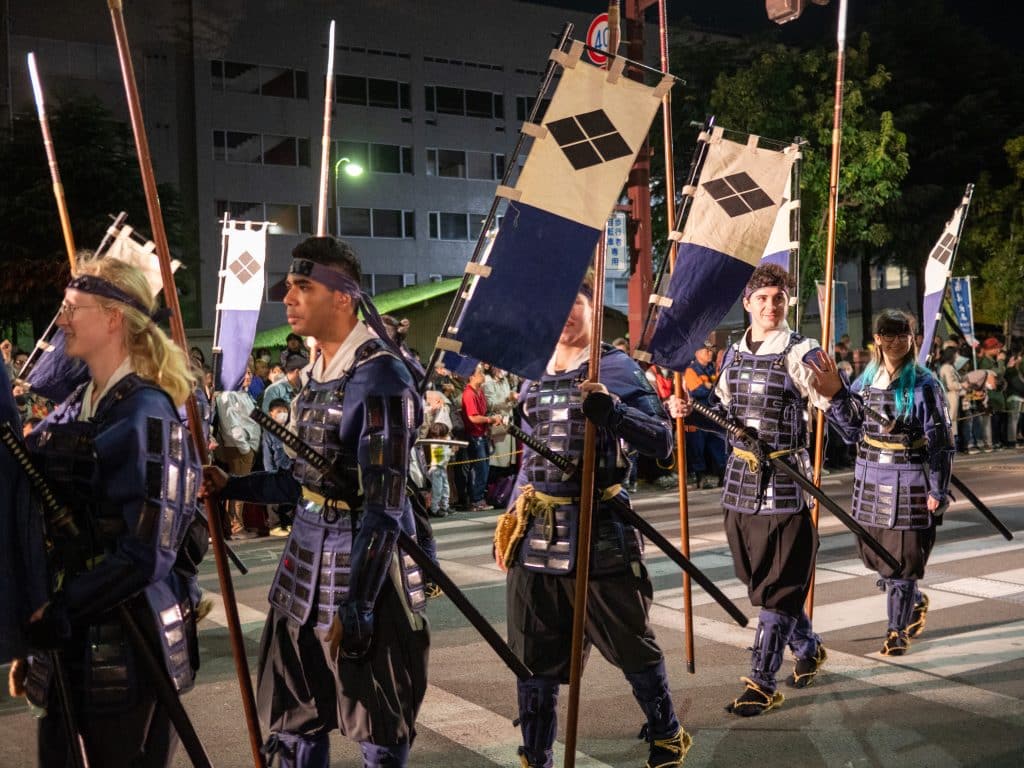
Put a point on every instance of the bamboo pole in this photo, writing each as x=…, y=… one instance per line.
x=178, y=334
x=830, y=253
x=586, y=517
x=51, y=159
x=325, y=139
x=677, y=378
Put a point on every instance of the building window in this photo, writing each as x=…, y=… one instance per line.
x=467, y=102
x=376, y=222
x=889, y=277
x=434, y=278
x=460, y=164
x=254, y=149
x=259, y=80
x=408, y=278
x=372, y=92
x=377, y=158
x=239, y=210
x=285, y=218
x=455, y=226
x=525, y=103
x=376, y=283
x=285, y=150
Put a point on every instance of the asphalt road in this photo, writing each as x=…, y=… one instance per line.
x=957, y=699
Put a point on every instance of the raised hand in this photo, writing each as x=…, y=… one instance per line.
x=825, y=377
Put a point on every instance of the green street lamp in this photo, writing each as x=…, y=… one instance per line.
x=353, y=170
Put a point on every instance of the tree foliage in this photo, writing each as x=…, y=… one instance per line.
x=785, y=93
x=100, y=175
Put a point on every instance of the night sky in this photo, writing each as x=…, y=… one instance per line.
x=1000, y=20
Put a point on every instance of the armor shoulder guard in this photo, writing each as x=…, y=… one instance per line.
x=146, y=454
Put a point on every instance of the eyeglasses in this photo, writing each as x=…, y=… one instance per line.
x=889, y=338
x=68, y=310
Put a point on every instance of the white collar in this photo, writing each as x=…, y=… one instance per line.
x=773, y=343
x=88, y=404
x=575, y=363
x=344, y=357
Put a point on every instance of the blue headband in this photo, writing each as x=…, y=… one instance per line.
x=331, y=278
x=97, y=286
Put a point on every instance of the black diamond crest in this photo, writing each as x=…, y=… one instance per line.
x=738, y=194
x=943, y=250
x=589, y=139
x=245, y=267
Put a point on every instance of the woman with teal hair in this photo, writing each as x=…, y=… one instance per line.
x=896, y=414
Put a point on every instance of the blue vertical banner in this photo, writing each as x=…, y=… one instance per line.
x=960, y=295
x=841, y=307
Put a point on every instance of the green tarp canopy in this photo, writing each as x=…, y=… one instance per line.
x=387, y=303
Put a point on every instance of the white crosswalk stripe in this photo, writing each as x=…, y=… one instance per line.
x=934, y=671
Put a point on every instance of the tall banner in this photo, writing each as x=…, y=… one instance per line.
x=781, y=244
x=937, y=271
x=522, y=291
x=960, y=295
x=736, y=203
x=840, y=308
x=241, y=294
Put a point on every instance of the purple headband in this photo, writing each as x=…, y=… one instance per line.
x=332, y=278
x=97, y=286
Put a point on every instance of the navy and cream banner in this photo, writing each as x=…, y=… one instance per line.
x=521, y=292
x=241, y=296
x=937, y=271
x=735, y=206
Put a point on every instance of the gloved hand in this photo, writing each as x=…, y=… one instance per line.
x=598, y=404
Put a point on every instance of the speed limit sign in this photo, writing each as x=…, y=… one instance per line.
x=597, y=38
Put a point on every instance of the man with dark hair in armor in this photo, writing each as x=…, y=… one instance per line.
x=765, y=386
x=345, y=644
x=541, y=570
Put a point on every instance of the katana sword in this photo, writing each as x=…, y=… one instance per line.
x=761, y=450
x=889, y=426
x=630, y=516
x=408, y=545
x=163, y=688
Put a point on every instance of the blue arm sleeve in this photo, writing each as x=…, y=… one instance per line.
x=277, y=487
x=939, y=434
x=846, y=413
x=637, y=416
x=384, y=422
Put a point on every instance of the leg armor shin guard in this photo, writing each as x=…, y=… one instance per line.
x=385, y=755
x=773, y=632
x=650, y=688
x=538, y=719
x=293, y=750
x=900, y=602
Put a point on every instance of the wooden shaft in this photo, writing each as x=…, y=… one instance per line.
x=51, y=159
x=586, y=517
x=677, y=378
x=830, y=253
x=325, y=140
x=192, y=409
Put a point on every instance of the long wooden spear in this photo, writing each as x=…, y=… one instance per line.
x=587, y=476
x=163, y=252
x=325, y=139
x=677, y=378
x=830, y=254
x=51, y=159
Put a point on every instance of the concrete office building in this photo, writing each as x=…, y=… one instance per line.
x=428, y=100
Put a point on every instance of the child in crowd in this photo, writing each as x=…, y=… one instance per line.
x=440, y=455
x=275, y=458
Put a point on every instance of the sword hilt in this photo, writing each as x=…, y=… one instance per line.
x=57, y=514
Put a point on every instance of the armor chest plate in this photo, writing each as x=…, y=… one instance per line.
x=764, y=398
x=318, y=414
x=66, y=454
x=555, y=414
